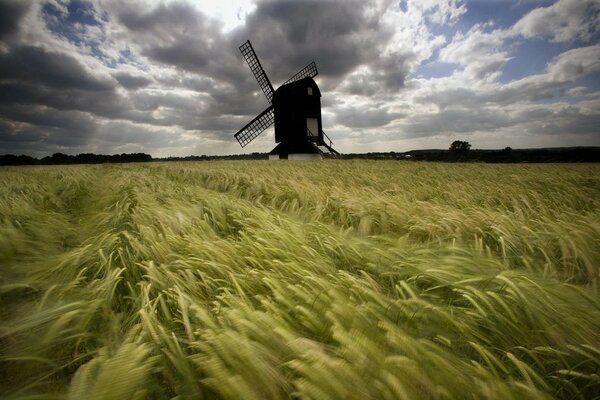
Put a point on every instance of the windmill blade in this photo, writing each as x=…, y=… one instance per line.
x=255, y=127
x=309, y=71
x=257, y=70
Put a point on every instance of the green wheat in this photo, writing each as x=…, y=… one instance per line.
x=317, y=280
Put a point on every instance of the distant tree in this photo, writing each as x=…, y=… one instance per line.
x=459, y=146
x=61, y=158
x=507, y=150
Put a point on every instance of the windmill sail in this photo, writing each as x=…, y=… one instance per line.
x=255, y=127
x=257, y=70
x=309, y=71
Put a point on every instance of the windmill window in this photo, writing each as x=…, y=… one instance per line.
x=310, y=92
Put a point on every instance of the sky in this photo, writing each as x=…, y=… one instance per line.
x=167, y=78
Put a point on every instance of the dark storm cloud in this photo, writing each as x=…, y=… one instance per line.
x=166, y=74
x=229, y=99
x=198, y=83
x=11, y=13
x=177, y=34
x=14, y=133
x=36, y=65
x=29, y=126
x=340, y=36
x=104, y=103
x=48, y=117
x=55, y=93
x=391, y=69
x=130, y=81
x=36, y=76
x=151, y=100
x=286, y=35
x=160, y=20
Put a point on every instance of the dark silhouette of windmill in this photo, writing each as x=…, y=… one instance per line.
x=295, y=108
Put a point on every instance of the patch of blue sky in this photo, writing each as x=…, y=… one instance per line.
x=529, y=57
x=81, y=12
x=126, y=56
x=78, y=12
x=446, y=30
x=69, y=25
x=502, y=13
x=590, y=82
x=131, y=58
x=403, y=6
x=434, y=69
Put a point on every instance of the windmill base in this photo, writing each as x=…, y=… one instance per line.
x=295, y=151
x=296, y=156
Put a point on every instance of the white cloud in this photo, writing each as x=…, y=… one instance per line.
x=567, y=67
x=574, y=64
x=481, y=53
x=438, y=11
x=564, y=21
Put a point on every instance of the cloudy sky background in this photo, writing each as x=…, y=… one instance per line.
x=167, y=78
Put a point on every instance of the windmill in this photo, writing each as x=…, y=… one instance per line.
x=294, y=108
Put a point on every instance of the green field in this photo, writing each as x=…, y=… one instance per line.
x=315, y=280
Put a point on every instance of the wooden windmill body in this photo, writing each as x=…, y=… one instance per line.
x=295, y=109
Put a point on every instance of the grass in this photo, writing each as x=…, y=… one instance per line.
x=312, y=280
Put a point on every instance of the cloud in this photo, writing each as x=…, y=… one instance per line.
x=167, y=77
x=48, y=117
x=130, y=81
x=453, y=121
x=11, y=12
x=51, y=69
x=533, y=105
x=563, y=21
x=439, y=11
x=179, y=35
x=105, y=103
x=574, y=64
x=567, y=67
x=561, y=120
x=340, y=35
x=365, y=117
x=29, y=126
x=481, y=53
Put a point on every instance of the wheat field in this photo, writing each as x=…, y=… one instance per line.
x=334, y=279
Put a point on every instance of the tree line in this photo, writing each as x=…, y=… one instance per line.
x=91, y=158
x=84, y=158
x=459, y=151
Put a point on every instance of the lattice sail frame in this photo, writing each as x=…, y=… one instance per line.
x=309, y=71
x=255, y=127
x=257, y=70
